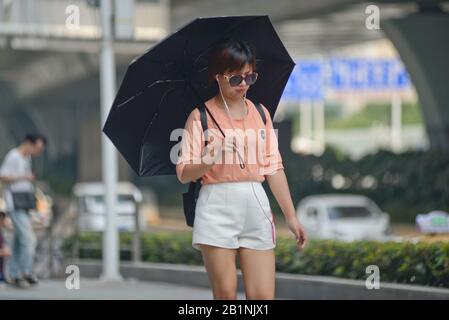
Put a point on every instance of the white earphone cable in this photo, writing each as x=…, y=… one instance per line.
x=271, y=221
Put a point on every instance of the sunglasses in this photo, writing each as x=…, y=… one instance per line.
x=237, y=79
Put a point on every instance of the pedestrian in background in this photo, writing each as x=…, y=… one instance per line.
x=17, y=175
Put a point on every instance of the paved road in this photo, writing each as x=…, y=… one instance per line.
x=98, y=290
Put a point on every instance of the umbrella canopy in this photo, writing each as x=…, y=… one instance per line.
x=162, y=86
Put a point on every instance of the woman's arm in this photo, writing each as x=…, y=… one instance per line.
x=275, y=176
x=279, y=186
x=193, y=171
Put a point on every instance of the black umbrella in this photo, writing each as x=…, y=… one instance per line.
x=162, y=86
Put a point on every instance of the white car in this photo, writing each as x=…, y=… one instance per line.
x=433, y=222
x=90, y=208
x=343, y=217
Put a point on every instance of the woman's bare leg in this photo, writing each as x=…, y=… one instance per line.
x=221, y=270
x=258, y=269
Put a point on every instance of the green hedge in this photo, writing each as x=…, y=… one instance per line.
x=423, y=263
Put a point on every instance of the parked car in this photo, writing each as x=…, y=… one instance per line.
x=342, y=217
x=90, y=208
x=433, y=222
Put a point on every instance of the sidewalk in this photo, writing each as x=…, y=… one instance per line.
x=91, y=289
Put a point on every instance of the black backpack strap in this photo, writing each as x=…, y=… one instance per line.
x=203, y=109
x=262, y=113
x=193, y=186
x=203, y=118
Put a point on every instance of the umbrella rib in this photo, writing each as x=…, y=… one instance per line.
x=145, y=88
x=149, y=125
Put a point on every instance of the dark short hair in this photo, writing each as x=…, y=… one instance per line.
x=2, y=215
x=230, y=55
x=34, y=137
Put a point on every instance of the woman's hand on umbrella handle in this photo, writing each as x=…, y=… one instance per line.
x=227, y=147
x=220, y=147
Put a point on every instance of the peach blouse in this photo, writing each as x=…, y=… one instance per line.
x=261, y=157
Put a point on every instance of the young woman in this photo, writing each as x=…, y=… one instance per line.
x=233, y=214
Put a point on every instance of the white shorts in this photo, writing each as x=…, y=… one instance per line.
x=232, y=215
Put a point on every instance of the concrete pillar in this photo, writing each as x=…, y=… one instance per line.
x=422, y=40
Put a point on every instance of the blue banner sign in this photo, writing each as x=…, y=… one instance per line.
x=311, y=79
